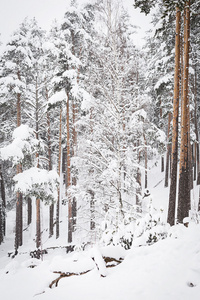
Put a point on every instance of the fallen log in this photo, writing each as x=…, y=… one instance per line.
x=62, y=275
x=111, y=261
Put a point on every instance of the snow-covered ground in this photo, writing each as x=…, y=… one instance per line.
x=168, y=269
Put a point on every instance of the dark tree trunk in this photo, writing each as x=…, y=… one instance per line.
x=29, y=219
x=92, y=210
x=184, y=170
x=162, y=163
x=194, y=163
x=18, y=229
x=51, y=219
x=68, y=181
x=38, y=229
x=38, y=225
x=168, y=153
x=19, y=201
x=138, y=190
x=3, y=202
x=74, y=171
x=59, y=173
x=51, y=207
x=145, y=163
x=1, y=222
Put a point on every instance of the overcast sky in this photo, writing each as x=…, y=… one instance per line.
x=13, y=12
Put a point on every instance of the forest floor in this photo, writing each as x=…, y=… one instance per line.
x=167, y=270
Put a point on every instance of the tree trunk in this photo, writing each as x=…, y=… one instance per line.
x=168, y=152
x=194, y=162
x=59, y=173
x=3, y=198
x=2, y=208
x=51, y=206
x=162, y=163
x=38, y=226
x=139, y=183
x=70, y=219
x=74, y=179
x=174, y=155
x=51, y=219
x=29, y=211
x=19, y=213
x=38, y=229
x=146, y=163
x=1, y=222
x=92, y=210
x=184, y=172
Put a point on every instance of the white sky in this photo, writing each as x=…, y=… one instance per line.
x=13, y=12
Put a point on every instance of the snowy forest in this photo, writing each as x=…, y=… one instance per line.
x=99, y=154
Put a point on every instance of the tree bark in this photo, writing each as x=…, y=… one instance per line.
x=139, y=184
x=162, y=163
x=184, y=170
x=92, y=210
x=51, y=206
x=38, y=228
x=145, y=163
x=174, y=154
x=3, y=198
x=59, y=173
x=74, y=179
x=70, y=218
x=168, y=152
x=38, y=225
x=29, y=211
x=19, y=202
x=2, y=208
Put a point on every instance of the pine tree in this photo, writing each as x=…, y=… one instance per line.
x=172, y=195
x=184, y=175
x=15, y=63
x=2, y=207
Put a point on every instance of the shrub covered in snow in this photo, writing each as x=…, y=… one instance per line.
x=137, y=232
x=150, y=229
x=120, y=233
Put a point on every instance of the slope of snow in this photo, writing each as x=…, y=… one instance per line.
x=169, y=269
x=166, y=270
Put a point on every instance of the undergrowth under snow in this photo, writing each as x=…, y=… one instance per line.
x=166, y=270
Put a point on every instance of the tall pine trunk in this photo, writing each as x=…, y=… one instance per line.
x=168, y=152
x=184, y=170
x=68, y=181
x=59, y=173
x=3, y=198
x=2, y=208
x=139, y=182
x=174, y=154
x=51, y=207
x=92, y=210
x=38, y=225
x=74, y=179
x=29, y=211
x=19, y=212
x=146, y=163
